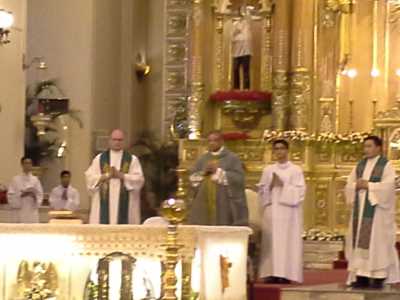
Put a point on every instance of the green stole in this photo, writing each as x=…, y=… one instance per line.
x=369, y=210
x=123, y=201
x=208, y=190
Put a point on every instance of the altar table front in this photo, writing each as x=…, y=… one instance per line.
x=75, y=250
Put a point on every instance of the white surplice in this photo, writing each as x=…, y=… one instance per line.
x=382, y=260
x=27, y=207
x=133, y=181
x=282, y=222
x=241, y=37
x=71, y=202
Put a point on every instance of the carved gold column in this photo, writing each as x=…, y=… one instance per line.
x=266, y=48
x=219, y=83
x=186, y=279
x=196, y=99
x=301, y=64
x=280, y=82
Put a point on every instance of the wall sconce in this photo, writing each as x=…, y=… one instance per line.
x=6, y=21
x=142, y=69
x=41, y=64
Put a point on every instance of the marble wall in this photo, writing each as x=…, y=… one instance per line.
x=12, y=92
x=91, y=47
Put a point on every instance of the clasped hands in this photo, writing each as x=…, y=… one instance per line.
x=28, y=192
x=113, y=174
x=361, y=184
x=211, y=168
x=276, y=181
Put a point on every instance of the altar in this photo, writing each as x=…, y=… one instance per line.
x=73, y=262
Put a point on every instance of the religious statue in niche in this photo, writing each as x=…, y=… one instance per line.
x=241, y=47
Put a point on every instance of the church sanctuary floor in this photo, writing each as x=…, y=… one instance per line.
x=339, y=291
x=320, y=285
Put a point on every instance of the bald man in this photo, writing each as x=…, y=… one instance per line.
x=114, y=180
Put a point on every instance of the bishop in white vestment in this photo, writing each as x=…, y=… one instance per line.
x=281, y=194
x=64, y=196
x=114, y=180
x=25, y=194
x=370, y=243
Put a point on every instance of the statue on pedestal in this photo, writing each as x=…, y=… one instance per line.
x=241, y=47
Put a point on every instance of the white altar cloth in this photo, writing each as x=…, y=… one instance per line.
x=75, y=250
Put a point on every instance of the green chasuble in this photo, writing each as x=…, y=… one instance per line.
x=123, y=201
x=219, y=204
x=368, y=213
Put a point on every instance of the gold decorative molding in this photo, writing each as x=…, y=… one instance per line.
x=341, y=6
x=175, y=80
x=103, y=271
x=36, y=280
x=300, y=98
x=245, y=115
x=176, y=52
x=280, y=99
x=177, y=4
x=321, y=208
x=266, y=48
x=219, y=66
x=225, y=265
x=176, y=24
x=196, y=100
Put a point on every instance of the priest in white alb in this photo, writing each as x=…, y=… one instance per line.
x=281, y=193
x=114, y=180
x=370, y=243
x=25, y=194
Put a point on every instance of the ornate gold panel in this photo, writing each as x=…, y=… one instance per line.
x=342, y=211
x=177, y=4
x=177, y=24
x=280, y=85
x=300, y=93
x=324, y=153
x=349, y=154
x=321, y=207
x=297, y=152
x=176, y=52
x=175, y=80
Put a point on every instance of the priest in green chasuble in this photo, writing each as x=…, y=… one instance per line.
x=217, y=181
x=370, y=243
x=114, y=180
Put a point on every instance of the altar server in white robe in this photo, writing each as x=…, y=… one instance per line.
x=370, y=243
x=281, y=193
x=64, y=196
x=114, y=180
x=25, y=194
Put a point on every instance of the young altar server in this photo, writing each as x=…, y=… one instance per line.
x=281, y=193
x=370, y=243
x=25, y=194
x=64, y=196
x=115, y=179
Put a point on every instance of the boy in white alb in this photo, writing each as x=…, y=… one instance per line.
x=281, y=193
x=64, y=196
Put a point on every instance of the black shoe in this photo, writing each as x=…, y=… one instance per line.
x=360, y=283
x=376, y=284
x=284, y=281
x=271, y=280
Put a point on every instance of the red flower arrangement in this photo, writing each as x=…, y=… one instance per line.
x=239, y=95
x=235, y=136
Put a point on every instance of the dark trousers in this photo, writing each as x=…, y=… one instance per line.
x=243, y=61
